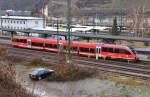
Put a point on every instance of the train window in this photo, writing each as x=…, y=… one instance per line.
x=92, y=50
x=54, y=45
x=105, y=49
x=132, y=49
x=23, y=40
x=117, y=50
x=14, y=40
x=110, y=50
x=51, y=45
x=48, y=45
x=74, y=48
x=37, y=44
x=84, y=49
x=122, y=51
x=20, y=40
x=127, y=52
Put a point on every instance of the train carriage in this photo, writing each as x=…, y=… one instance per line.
x=118, y=52
x=75, y=48
x=51, y=45
x=19, y=42
x=87, y=49
x=35, y=43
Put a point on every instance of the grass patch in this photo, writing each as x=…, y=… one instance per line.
x=127, y=81
x=123, y=80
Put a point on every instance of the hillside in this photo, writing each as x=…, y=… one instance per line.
x=80, y=7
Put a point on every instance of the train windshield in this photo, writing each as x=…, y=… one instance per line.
x=132, y=49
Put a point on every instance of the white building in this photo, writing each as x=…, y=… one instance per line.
x=21, y=23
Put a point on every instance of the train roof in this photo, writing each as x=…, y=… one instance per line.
x=33, y=37
x=86, y=43
x=105, y=44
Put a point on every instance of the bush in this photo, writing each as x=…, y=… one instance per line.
x=3, y=53
x=36, y=61
x=8, y=85
x=69, y=72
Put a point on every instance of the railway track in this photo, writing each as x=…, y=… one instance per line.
x=136, y=70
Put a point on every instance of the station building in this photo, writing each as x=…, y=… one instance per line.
x=21, y=23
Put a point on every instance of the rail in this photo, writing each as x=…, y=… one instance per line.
x=138, y=70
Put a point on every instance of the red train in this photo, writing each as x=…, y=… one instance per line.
x=87, y=49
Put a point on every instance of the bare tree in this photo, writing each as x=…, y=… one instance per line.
x=137, y=17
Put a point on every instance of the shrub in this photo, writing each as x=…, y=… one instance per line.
x=36, y=61
x=70, y=72
x=8, y=85
x=3, y=52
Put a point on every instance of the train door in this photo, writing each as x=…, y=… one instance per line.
x=98, y=52
x=29, y=43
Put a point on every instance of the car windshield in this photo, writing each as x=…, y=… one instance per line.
x=42, y=72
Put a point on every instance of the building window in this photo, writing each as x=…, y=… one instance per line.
x=24, y=22
x=36, y=22
x=20, y=22
x=14, y=22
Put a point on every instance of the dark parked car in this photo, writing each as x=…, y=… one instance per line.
x=40, y=73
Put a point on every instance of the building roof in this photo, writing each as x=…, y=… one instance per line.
x=21, y=17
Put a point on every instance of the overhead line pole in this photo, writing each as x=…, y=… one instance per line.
x=69, y=30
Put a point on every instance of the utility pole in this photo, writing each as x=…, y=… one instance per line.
x=1, y=26
x=1, y=31
x=68, y=59
x=57, y=33
x=43, y=12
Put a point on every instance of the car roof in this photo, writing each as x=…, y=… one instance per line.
x=36, y=70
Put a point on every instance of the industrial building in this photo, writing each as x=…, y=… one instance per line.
x=21, y=23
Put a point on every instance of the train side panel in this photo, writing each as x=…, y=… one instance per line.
x=19, y=42
x=117, y=52
x=87, y=49
x=36, y=43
